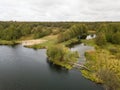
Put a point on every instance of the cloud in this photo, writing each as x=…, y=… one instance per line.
x=60, y=10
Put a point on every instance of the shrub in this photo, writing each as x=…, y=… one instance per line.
x=116, y=38
x=105, y=68
x=60, y=55
x=100, y=39
x=74, y=31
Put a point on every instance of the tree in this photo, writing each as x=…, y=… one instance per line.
x=100, y=39
x=74, y=31
x=60, y=55
x=41, y=32
x=116, y=38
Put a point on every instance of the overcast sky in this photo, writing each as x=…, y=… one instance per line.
x=60, y=10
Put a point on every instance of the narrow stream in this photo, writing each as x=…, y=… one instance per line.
x=81, y=48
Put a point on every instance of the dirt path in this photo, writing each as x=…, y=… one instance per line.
x=32, y=42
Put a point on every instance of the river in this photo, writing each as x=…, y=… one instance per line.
x=28, y=69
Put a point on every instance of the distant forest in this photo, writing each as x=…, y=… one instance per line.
x=66, y=30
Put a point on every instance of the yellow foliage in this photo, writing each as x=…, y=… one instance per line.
x=100, y=61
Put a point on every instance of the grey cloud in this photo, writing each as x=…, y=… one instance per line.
x=60, y=10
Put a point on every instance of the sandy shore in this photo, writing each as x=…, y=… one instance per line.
x=32, y=42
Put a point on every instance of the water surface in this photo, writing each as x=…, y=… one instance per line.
x=27, y=69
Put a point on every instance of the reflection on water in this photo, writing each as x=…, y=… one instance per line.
x=27, y=69
x=56, y=68
x=82, y=48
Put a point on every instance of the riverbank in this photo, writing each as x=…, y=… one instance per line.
x=62, y=56
x=102, y=62
x=25, y=43
x=84, y=49
x=32, y=42
x=28, y=69
x=5, y=42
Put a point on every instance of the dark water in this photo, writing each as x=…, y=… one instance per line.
x=26, y=69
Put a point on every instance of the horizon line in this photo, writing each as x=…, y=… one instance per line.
x=56, y=21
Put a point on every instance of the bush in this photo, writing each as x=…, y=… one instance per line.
x=74, y=31
x=60, y=55
x=116, y=38
x=101, y=39
x=72, y=42
x=105, y=68
x=42, y=33
x=56, y=31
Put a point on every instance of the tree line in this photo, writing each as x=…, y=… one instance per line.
x=106, y=31
x=78, y=30
x=15, y=30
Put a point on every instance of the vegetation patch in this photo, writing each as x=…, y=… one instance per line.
x=50, y=41
x=4, y=42
x=60, y=55
x=71, y=42
x=104, y=68
x=79, y=30
x=90, y=42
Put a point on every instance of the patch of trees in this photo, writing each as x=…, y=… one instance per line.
x=66, y=30
x=116, y=38
x=60, y=55
x=101, y=39
x=111, y=32
x=40, y=31
x=15, y=30
x=74, y=31
x=10, y=33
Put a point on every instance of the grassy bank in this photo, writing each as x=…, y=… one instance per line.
x=89, y=42
x=61, y=55
x=52, y=40
x=104, y=65
x=71, y=42
x=4, y=42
